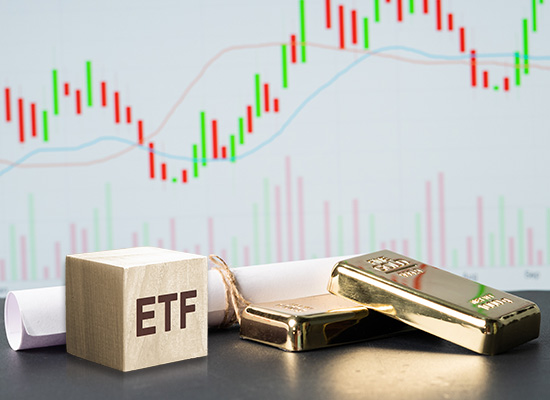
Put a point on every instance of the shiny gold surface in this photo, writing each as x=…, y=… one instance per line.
x=314, y=322
x=472, y=315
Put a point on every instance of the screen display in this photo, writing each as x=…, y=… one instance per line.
x=267, y=131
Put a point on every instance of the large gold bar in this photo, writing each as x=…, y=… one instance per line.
x=472, y=315
x=314, y=322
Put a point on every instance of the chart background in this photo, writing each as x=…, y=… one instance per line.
x=372, y=139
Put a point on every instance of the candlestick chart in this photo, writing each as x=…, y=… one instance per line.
x=275, y=131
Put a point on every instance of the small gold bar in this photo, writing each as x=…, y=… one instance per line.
x=472, y=315
x=314, y=322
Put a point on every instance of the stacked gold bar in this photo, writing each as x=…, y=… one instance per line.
x=385, y=293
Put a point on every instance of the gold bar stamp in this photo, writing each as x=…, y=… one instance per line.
x=314, y=322
x=467, y=313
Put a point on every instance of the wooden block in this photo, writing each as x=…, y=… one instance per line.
x=136, y=308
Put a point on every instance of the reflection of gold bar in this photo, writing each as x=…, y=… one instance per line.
x=314, y=322
x=465, y=312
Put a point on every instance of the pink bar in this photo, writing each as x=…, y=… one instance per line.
x=405, y=247
x=161, y=243
x=24, y=258
x=210, y=236
x=2, y=270
x=197, y=249
x=539, y=257
x=73, y=238
x=442, y=239
x=58, y=260
x=246, y=255
x=511, y=251
x=429, y=232
x=470, y=250
x=383, y=246
x=135, y=241
x=327, y=229
x=480, y=230
x=301, y=230
x=530, y=250
x=46, y=272
x=173, y=233
x=290, y=227
x=278, y=224
x=393, y=245
x=84, y=241
x=356, y=226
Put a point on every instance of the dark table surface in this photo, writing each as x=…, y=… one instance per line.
x=412, y=365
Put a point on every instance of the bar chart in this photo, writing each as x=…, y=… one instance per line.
x=335, y=128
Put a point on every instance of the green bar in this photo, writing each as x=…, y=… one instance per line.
x=267, y=221
x=175, y=180
x=45, y=124
x=521, y=239
x=32, y=237
x=495, y=88
x=411, y=6
x=96, y=229
x=534, y=15
x=340, y=236
x=303, y=29
x=235, y=255
x=376, y=11
x=13, y=253
x=109, y=215
x=203, y=137
x=492, y=249
x=372, y=233
x=518, y=70
x=548, y=236
x=145, y=234
x=256, y=234
x=258, y=98
x=418, y=236
x=89, y=81
x=525, y=47
x=366, y=31
x=502, y=231
x=455, y=258
x=284, y=61
x=241, y=131
x=232, y=143
x=55, y=94
x=195, y=161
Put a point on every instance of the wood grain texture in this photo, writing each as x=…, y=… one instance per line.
x=102, y=295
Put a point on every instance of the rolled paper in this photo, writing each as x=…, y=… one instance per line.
x=36, y=317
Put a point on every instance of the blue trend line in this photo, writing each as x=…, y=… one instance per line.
x=285, y=125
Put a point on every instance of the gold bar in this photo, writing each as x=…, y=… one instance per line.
x=314, y=322
x=472, y=315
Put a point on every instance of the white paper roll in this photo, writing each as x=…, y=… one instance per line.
x=36, y=317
